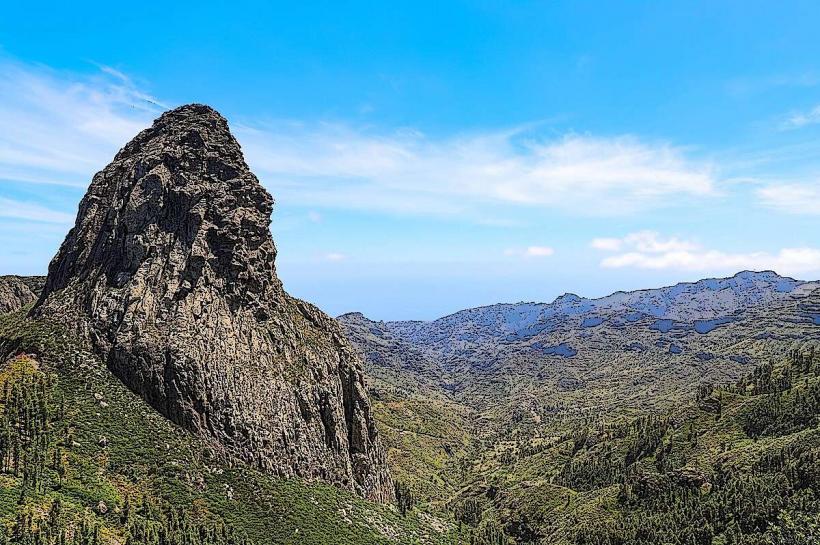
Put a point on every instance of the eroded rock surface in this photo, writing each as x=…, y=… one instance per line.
x=15, y=293
x=169, y=275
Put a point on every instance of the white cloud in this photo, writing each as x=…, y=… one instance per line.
x=335, y=256
x=530, y=251
x=643, y=241
x=802, y=119
x=652, y=242
x=409, y=172
x=10, y=208
x=315, y=216
x=61, y=128
x=607, y=244
x=792, y=198
x=649, y=250
x=58, y=128
x=539, y=251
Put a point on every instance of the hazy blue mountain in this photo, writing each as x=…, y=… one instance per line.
x=635, y=348
x=708, y=299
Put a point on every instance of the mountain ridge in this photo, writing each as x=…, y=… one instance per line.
x=573, y=298
x=18, y=291
x=498, y=357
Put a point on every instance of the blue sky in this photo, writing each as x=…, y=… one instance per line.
x=432, y=156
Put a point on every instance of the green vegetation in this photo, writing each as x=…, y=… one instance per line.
x=429, y=444
x=84, y=461
x=87, y=461
x=762, y=487
x=738, y=464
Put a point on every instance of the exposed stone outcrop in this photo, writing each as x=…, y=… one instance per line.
x=15, y=293
x=169, y=275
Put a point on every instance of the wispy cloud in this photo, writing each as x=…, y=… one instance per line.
x=751, y=85
x=539, y=251
x=530, y=251
x=10, y=208
x=650, y=250
x=643, y=241
x=60, y=128
x=801, y=119
x=409, y=172
x=607, y=244
x=792, y=198
x=335, y=256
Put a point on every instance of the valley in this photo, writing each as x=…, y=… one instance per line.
x=538, y=442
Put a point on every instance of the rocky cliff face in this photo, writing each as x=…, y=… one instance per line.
x=15, y=293
x=169, y=275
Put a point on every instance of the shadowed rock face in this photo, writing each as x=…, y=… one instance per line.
x=169, y=275
x=15, y=293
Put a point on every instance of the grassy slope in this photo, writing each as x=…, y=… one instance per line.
x=430, y=444
x=145, y=454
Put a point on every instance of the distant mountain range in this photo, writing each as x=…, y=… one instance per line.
x=708, y=299
x=615, y=350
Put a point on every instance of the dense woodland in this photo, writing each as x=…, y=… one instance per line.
x=34, y=440
x=765, y=493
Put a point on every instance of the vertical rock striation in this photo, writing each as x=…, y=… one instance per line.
x=169, y=275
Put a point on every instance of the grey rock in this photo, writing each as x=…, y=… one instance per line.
x=690, y=477
x=169, y=275
x=15, y=293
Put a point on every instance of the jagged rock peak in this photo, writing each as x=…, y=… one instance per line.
x=169, y=275
x=181, y=185
x=567, y=298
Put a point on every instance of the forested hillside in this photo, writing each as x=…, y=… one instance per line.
x=732, y=460
x=737, y=464
x=85, y=461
